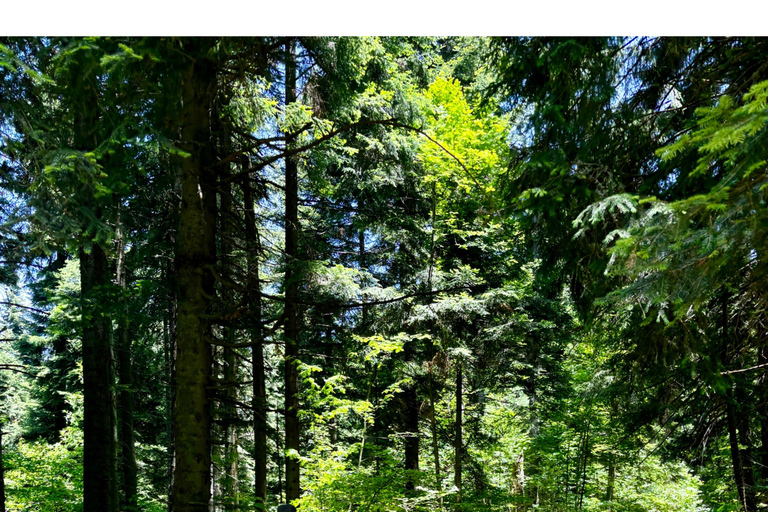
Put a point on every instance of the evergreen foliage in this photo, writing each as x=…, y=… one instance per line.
x=383, y=273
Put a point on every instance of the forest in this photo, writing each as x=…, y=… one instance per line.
x=380, y=274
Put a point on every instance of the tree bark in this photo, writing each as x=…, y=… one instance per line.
x=733, y=441
x=763, y=411
x=125, y=376
x=99, y=454
x=459, y=436
x=746, y=460
x=584, y=464
x=230, y=485
x=100, y=492
x=257, y=350
x=611, y=482
x=195, y=258
x=2, y=471
x=411, y=434
x=292, y=440
x=435, y=451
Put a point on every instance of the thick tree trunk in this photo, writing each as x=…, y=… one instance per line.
x=195, y=258
x=292, y=440
x=259, y=402
x=99, y=446
x=99, y=454
x=125, y=376
x=458, y=442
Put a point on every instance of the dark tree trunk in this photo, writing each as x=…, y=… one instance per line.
x=763, y=411
x=230, y=485
x=259, y=403
x=169, y=333
x=292, y=489
x=99, y=454
x=611, y=482
x=435, y=450
x=746, y=461
x=458, y=442
x=733, y=441
x=411, y=434
x=744, y=484
x=99, y=446
x=195, y=258
x=2, y=472
x=125, y=376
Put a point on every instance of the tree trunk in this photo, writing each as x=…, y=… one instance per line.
x=125, y=376
x=257, y=349
x=744, y=484
x=195, y=258
x=99, y=447
x=611, y=482
x=747, y=464
x=231, y=440
x=292, y=440
x=411, y=434
x=2, y=471
x=169, y=333
x=459, y=437
x=763, y=411
x=99, y=450
x=435, y=451
x=733, y=440
x=584, y=463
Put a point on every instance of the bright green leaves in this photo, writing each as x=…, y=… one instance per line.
x=471, y=156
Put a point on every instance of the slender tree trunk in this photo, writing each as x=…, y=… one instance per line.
x=763, y=411
x=611, y=482
x=520, y=477
x=195, y=258
x=170, y=362
x=125, y=376
x=459, y=436
x=435, y=451
x=230, y=485
x=280, y=457
x=733, y=440
x=411, y=434
x=2, y=472
x=746, y=460
x=585, y=461
x=292, y=440
x=259, y=402
x=567, y=472
x=745, y=490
